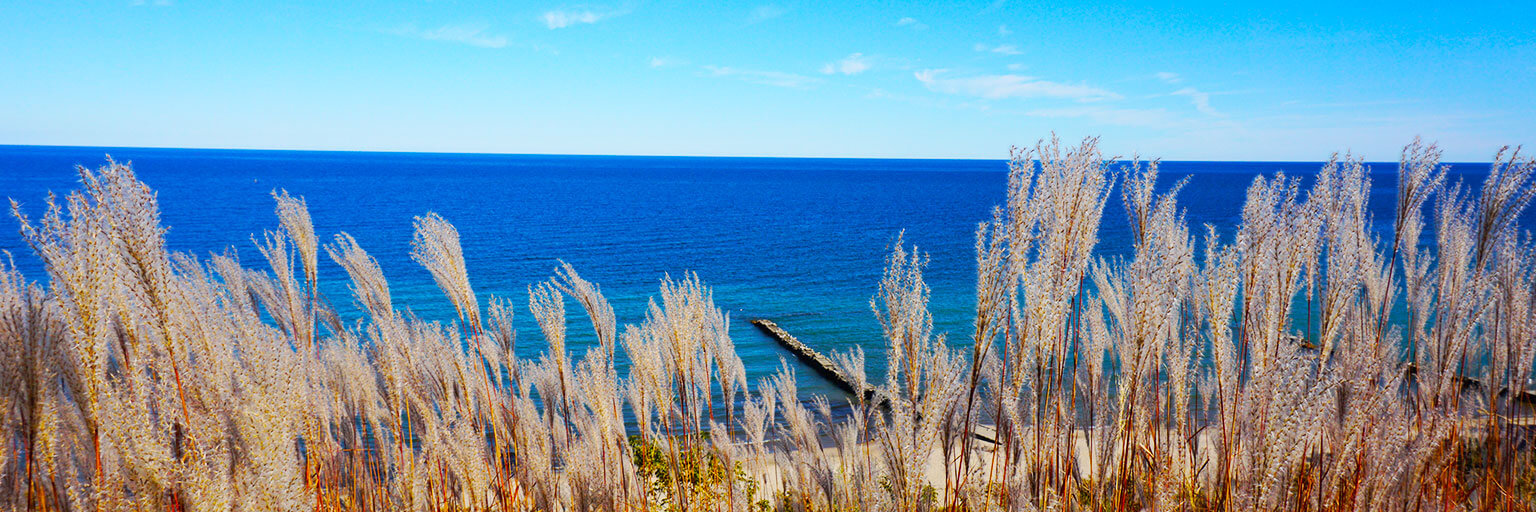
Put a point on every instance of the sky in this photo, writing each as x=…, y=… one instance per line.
x=1192, y=81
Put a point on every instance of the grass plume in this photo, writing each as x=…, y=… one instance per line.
x=1301, y=361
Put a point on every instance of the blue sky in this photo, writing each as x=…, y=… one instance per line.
x=1207, y=81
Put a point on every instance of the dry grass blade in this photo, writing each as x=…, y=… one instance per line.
x=1303, y=362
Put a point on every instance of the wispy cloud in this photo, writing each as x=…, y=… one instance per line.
x=1002, y=49
x=765, y=12
x=850, y=65
x=156, y=3
x=882, y=94
x=773, y=78
x=912, y=23
x=994, y=87
x=1351, y=104
x=1200, y=99
x=473, y=34
x=667, y=62
x=562, y=18
x=1146, y=118
x=1002, y=30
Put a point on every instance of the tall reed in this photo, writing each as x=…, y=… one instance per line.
x=1298, y=361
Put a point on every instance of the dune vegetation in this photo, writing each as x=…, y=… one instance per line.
x=1303, y=361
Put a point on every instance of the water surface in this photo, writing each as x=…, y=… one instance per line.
x=799, y=241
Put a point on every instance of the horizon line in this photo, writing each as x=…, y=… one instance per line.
x=617, y=155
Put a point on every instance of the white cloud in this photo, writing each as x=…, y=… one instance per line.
x=1002, y=30
x=1200, y=99
x=561, y=18
x=773, y=78
x=911, y=22
x=1002, y=49
x=850, y=65
x=994, y=87
x=473, y=34
x=765, y=13
x=1146, y=118
x=1015, y=66
x=666, y=62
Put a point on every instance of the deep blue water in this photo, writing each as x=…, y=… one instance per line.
x=799, y=241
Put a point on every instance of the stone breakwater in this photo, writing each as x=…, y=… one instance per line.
x=817, y=361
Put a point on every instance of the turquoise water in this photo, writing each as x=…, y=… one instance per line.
x=799, y=241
